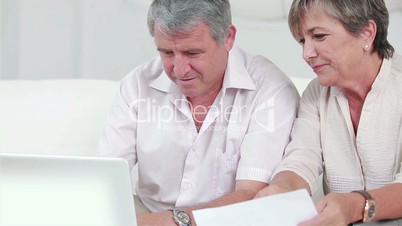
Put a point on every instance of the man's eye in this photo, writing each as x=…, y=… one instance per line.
x=301, y=41
x=167, y=53
x=192, y=53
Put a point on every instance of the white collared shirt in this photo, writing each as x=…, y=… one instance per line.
x=242, y=137
x=323, y=135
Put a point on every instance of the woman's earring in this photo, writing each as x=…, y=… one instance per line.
x=366, y=47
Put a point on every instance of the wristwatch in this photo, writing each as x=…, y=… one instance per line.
x=370, y=206
x=181, y=217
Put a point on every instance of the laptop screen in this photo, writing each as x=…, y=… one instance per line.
x=60, y=190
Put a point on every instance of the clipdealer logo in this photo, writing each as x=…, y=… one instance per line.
x=263, y=115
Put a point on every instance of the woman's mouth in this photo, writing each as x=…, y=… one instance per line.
x=318, y=68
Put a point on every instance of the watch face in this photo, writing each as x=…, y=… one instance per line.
x=371, y=211
x=183, y=217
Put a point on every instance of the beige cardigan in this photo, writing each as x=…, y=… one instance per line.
x=323, y=137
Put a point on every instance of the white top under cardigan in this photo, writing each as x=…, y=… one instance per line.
x=323, y=137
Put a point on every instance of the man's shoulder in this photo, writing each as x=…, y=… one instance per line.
x=146, y=72
x=260, y=68
x=267, y=79
x=141, y=78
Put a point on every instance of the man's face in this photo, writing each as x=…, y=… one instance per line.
x=194, y=61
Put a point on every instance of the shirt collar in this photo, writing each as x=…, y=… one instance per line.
x=378, y=82
x=382, y=76
x=162, y=83
x=236, y=75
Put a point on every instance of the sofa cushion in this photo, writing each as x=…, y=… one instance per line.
x=60, y=117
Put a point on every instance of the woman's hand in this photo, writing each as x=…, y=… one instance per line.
x=338, y=209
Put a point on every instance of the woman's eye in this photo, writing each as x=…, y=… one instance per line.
x=320, y=36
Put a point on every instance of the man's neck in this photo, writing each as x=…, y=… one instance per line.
x=200, y=106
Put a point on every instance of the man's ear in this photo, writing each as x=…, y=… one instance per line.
x=231, y=37
x=369, y=32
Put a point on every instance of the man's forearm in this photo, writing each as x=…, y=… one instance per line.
x=234, y=197
x=245, y=190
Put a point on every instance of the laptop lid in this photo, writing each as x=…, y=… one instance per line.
x=65, y=191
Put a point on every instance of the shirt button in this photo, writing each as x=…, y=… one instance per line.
x=189, y=185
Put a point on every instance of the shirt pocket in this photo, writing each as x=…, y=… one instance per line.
x=225, y=170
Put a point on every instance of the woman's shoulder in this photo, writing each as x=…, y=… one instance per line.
x=397, y=64
x=316, y=93
x=313, y=87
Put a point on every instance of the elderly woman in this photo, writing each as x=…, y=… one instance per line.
x=349, y=124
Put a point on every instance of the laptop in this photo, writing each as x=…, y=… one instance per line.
x=40, y=190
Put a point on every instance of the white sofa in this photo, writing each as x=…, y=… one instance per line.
x=59, y=117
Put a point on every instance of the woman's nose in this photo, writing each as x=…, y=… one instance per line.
x=309, y=51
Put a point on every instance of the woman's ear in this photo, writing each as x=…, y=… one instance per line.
x=368, y=33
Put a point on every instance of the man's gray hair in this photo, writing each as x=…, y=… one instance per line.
x=181, y=16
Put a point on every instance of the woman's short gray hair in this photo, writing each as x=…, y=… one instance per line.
x=353, y=14
x=181, y=16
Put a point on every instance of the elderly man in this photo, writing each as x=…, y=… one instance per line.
x=206, y=122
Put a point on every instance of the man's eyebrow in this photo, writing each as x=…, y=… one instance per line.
x=162, y=49
x=195, y=50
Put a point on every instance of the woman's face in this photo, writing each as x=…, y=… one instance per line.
x=332, y=52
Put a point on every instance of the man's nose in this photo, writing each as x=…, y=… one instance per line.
x=181, y=66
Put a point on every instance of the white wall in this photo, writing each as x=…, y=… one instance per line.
x=1, y=35
x=107, y=38
x=73, y=38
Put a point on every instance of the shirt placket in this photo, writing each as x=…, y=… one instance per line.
x=194, y=156
x=191, y=159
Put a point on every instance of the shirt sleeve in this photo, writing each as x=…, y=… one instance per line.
x=398, y=176
x=119, y=136
x=268, y=133
x=303, y=155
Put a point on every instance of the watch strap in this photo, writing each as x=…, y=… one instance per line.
x=369, y=207
x=365, y=194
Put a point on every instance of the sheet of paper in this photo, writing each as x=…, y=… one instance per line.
x=287, y=209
